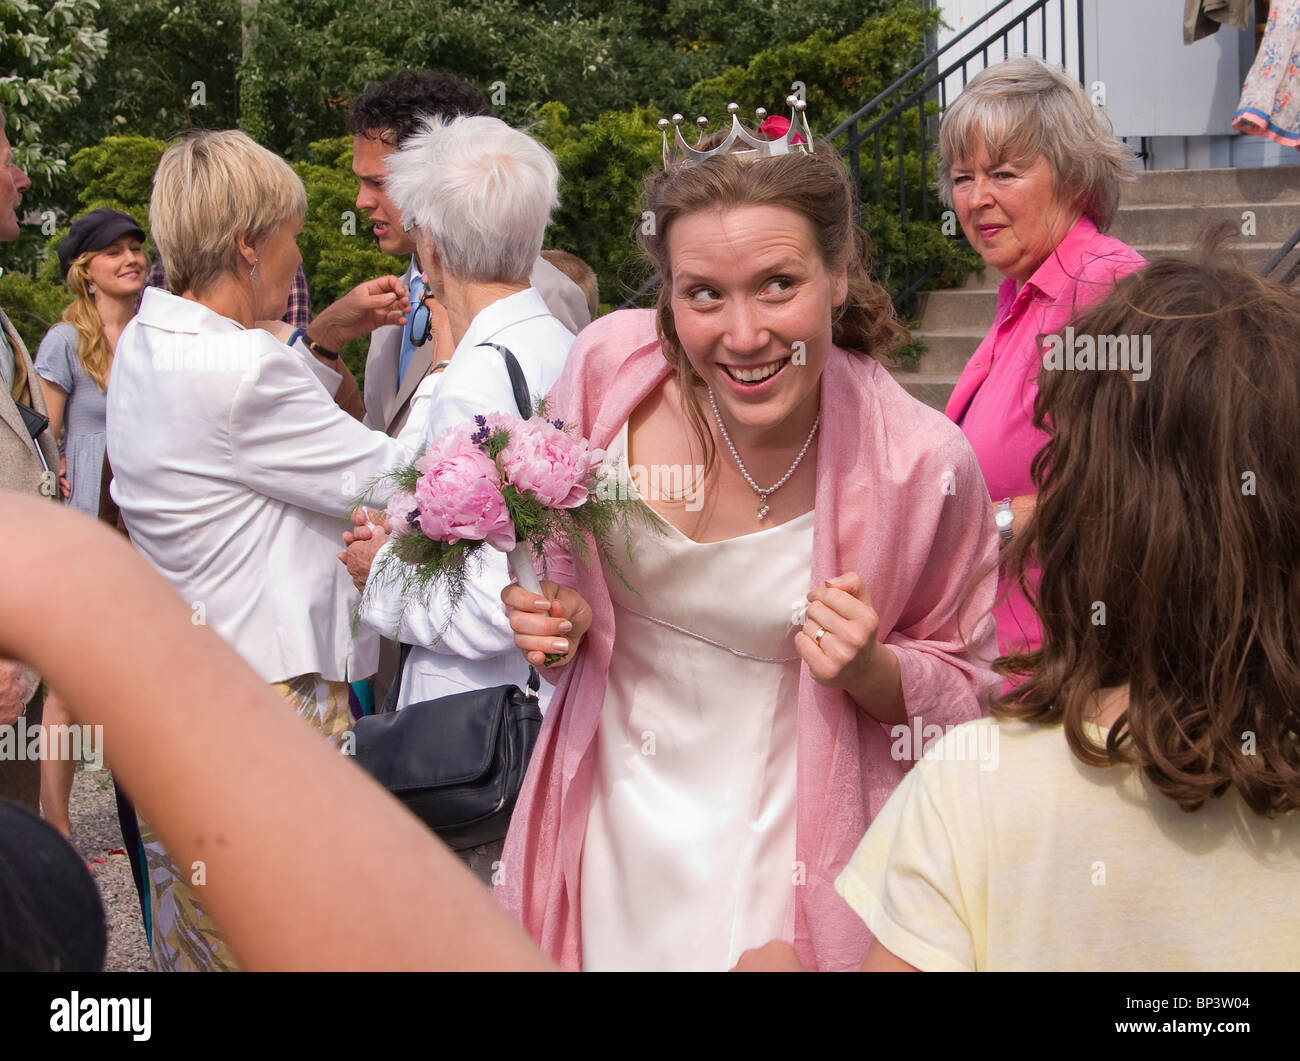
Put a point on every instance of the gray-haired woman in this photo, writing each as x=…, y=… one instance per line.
x=478, y=196
x=1034, y=173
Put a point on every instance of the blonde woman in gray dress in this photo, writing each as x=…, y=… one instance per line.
x=103, y=264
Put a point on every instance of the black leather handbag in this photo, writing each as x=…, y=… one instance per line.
x=457, y=762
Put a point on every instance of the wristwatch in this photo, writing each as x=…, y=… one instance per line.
x=318, y=350
x=1003, y=519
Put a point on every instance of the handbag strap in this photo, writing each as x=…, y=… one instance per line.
x=524, y=403
x=394, y=690
x=533, y=685
x=519, y=385
x=517, y=382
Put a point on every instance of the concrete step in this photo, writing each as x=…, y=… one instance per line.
x=955, y=322
x=961, y=308
x=933, y=390
x=947, y=351
x=1163, y=214
x=1254, y=254
x=983, y=280
x=1193, y=187
x=1183, y=225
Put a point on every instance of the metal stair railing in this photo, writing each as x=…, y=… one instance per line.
x=861, y=129
x=1289, y=277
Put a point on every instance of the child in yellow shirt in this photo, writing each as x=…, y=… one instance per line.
x=1137, y=806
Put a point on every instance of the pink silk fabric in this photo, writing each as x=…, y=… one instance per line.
x=993, y=401
x=899, y=500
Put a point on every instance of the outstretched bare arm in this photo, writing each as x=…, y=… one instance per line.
x=287, y=829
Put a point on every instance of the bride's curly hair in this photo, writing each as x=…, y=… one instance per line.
x=816, y=187
x=1167, y=530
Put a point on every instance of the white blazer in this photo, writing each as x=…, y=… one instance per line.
x=235, y=472
x=472, y=647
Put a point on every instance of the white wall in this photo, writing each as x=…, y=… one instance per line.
x=1155, y=85
x=961, y=14
x=1181, y=96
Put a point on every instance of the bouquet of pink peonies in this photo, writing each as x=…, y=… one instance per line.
x=513, y=484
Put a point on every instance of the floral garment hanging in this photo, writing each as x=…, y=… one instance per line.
x=1270, y=102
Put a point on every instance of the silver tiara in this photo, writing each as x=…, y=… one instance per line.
x=680, y=152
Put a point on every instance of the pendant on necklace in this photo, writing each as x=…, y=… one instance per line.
x=763, y=507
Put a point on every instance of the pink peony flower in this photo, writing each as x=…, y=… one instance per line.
x=548, y=464
x=458, y=494
x=401, y=507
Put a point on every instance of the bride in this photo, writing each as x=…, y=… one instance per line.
x=719, y=738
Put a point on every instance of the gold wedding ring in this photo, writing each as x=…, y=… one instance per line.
x=817, y=637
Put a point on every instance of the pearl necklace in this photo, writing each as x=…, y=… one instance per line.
x=763, y=506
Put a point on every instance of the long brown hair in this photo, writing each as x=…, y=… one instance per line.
x=93, y=351
x=814, y=186
x=1167, y=530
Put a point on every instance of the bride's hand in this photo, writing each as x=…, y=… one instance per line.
x=547, y=628
x=839, y=643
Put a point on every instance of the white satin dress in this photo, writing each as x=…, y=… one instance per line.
x=688, y=859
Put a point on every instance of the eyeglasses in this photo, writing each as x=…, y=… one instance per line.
x=420, y=324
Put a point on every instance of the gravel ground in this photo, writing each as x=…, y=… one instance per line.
x=95, y=833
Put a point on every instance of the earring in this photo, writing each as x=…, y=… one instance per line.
x=253, y=275
x=90, y=289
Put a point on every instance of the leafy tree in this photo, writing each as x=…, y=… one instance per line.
x=602, y=168
x=52, y=50
x=170, y=68
x=50, y=53
x=160, y=68
x=300, y=64
x=836, y=76
x=118, y=173
x=309, y=61
x=33, y=305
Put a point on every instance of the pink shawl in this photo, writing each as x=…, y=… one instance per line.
x=900, y=500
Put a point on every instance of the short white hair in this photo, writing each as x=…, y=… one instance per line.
x=481, y=191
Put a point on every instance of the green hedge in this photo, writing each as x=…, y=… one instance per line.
x=337, y=249
x=602, y=162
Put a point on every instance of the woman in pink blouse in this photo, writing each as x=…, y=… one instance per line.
x=1034, y=173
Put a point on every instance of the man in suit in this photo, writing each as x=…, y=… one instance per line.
x=25, y=466
x=380, y=120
